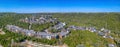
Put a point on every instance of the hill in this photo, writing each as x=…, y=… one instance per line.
x=109, y=21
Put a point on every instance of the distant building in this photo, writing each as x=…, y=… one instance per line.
x=27, y=32
x=91, y=29
x=111, y=45
x=39, y=20
x=60, y=25
x=77, y=27
x=43, y=35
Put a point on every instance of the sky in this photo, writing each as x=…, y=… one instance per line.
x=36, y=6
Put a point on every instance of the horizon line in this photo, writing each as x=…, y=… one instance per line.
x=59, y=12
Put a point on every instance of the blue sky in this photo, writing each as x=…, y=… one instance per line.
x=36, y=6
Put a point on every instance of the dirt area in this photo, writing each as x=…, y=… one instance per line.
x=1, y=46
x=2, y=32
